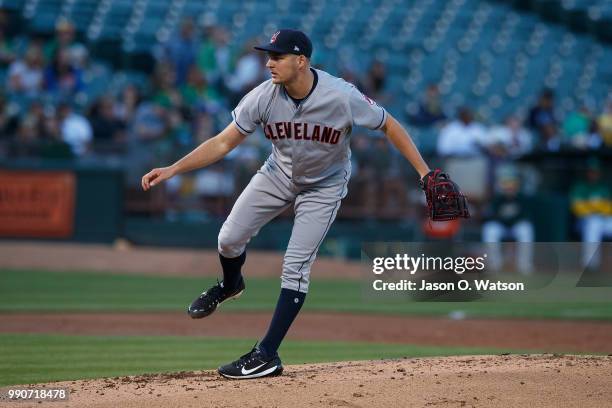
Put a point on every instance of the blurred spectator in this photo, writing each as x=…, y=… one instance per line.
x=542, y=121
x=7, y=53
x=508, y=217
x=508, y=140
x=62, y=78
x=394, y=190
x=166, y=94
x=578, y=130
x=430, y=109
x=38, y=135
x=461, y=137
x=26, y=76
x=36, y=113
x=74, y=129
x=591, y=203
x=375, y=81
x=149, y=122
x=125, y=107
x=108, y=130
x=378, y=165
x=203, y=126
x=8, y=121
x=65, y=38
x=181, y=50
x=146, y=133
x=178, y=133
x=249, y=73
x=391, y=189
x=378, y=180
x=247, y=159
x=26, y=142
x=363, y=176
x=604, y=124
x=54, y=147
x=197, y=94
x=215, y=187
x=214, y=55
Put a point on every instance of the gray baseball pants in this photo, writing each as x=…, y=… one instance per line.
x=267, y=195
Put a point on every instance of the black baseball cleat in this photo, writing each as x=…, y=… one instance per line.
x=208, y=301
x=253, y=364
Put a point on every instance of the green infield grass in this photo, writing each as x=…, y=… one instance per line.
x=22, y=291
x=33, y=358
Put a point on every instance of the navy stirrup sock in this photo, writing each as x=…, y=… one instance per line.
x=231, y=270
x=288, y=306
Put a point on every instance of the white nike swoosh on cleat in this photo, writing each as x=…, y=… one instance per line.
x=264, y=373
x=247, y=372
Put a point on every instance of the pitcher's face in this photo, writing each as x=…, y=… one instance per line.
x=284, y=68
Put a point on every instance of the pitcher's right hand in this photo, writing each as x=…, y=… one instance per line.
x=156, y=176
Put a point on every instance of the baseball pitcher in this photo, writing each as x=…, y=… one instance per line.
x=307, y=114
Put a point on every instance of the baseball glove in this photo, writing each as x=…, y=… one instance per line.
x=444, y=199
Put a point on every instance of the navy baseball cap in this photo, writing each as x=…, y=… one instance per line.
x=287, y=41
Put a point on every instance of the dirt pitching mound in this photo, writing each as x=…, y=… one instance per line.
x=473, y=381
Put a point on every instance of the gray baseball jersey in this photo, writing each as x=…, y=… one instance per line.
x=310, y=141
x=309, y=166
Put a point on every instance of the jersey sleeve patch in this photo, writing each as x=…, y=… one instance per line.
x=365, y=111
